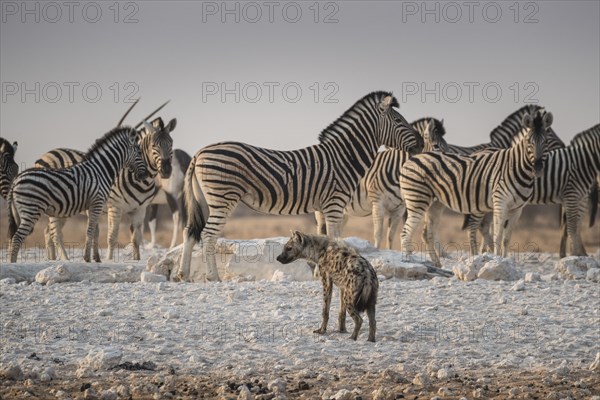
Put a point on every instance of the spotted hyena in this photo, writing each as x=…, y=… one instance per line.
x=343, y=266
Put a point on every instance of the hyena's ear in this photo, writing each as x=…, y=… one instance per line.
x=298, y=236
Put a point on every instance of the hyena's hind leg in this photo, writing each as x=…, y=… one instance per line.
x=357, y=321
x=372, y=323
x=327, y=289
x=342, y=313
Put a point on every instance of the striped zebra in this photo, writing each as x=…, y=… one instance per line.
x=378, y=193
x=321, y=177
x=502, y=136
x=170, y=193
x=69, y=191
x=569, y=176
x=500, y=181
x=129, y=194
x=8, y=167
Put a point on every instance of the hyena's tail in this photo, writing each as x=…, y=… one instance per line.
x=367, y=296
x=191, y=192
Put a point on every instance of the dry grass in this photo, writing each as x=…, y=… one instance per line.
x=538, y=229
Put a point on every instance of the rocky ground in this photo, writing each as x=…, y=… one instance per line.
x=533, y=334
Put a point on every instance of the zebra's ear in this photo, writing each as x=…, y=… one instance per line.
x=385, y=104
x=527, y=121
x=132, y=137
x=547, y=120
x=442, y=121
x=171, y=125
x=15, y=145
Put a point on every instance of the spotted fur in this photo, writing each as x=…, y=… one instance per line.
x=343, y=266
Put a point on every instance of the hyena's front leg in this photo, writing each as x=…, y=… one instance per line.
x=327, y=288
x=342, y=314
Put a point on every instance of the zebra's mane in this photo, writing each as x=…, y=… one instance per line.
x=6, y=146
x=438, y=124
x=100, y=143
x=514, y=118
x=372, y=99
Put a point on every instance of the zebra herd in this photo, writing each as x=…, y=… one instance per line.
x=345, y=174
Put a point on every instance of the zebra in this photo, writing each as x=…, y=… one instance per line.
x=171, y=193
x=8, y=167
x=502, y=136
x=569, y=176
x=500, y=181
x=378, y=192
x=129, y=194
x=69, y=191
x=321, y=177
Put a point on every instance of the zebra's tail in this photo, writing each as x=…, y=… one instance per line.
x=193, y=208
x=466, y=222
x=12, y=218
x=594, y=205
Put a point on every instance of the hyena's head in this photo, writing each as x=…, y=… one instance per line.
x=294, y=248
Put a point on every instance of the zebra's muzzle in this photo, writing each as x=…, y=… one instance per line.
x=538, y=166
x=165, y=170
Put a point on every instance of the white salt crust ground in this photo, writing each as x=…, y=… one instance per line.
x=430, y=330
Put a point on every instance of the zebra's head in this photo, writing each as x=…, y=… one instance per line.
x=8, y=167
x=433, y=136
x=158, y=146
x=394, y=130
x=536, y=127
x=134, y=159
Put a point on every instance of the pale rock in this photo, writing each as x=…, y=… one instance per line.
x=277, y=386
x=149, y=277
x=343, y=394
x=470, y=270
x=499, y=269
x=171, y=314
x=245, y=393
x=382, y=394
x=109, y=395
x=532, y=277
x=279, y=276
x=420, y=380
x=519, y=286
x=8, y=281
x=595, y=366
x=387, y=263
x=52, y=275
x=443, y=373
x=444, y=392
x=575, y=267
x=101, y=359
x=593, y=275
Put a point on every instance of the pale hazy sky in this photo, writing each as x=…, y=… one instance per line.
x=543, y=50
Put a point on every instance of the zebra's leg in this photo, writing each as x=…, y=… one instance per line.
x=378, y=214
x=562, y=251
x=56, y=232
x=174, y=207
x=114, y=220
x=395, y=219
x=50, y=248
x=415, y=215
x=137, y=223
x=342, y=313
x=500, y=222
x=334, y=218
x=321, y=227
x=27, y=221
x=432, y=225
x=513, y=217
x=92, y=225
x=474, y=224
x=485, y=228
x=152, y=212
x=95, y=247
x=574, y=213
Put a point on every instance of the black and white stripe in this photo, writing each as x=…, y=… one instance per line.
x=499, y=181
x=317, y=178
x=378, y=193
x=65, y=192
x=8, y=167
x=128, y=194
